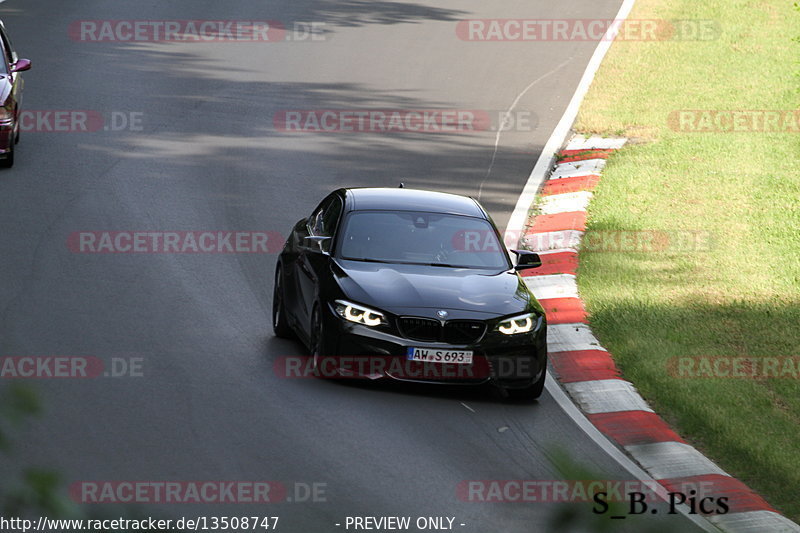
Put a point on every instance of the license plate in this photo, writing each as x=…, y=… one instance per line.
x=431, y=355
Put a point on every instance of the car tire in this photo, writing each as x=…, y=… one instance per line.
x=280, y=322
x=16, y=135
x=531, y=392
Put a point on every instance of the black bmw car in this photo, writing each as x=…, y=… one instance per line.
x=410, y=285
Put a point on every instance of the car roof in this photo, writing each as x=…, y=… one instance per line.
x=386, y=199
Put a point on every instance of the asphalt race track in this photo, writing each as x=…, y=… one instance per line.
x=190, y=143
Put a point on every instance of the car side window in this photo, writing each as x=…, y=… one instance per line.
x=323, y=221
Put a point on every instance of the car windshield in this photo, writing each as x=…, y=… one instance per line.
x=422, y=238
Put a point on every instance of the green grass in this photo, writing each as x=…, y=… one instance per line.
x=738, y=295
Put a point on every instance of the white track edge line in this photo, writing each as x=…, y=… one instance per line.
x=561, y=398
x=519, y=218
x=559, y=135
x=516, y=223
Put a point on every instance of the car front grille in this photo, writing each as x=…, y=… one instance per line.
x=430, y=330
x=463, y=331
x=420, y=329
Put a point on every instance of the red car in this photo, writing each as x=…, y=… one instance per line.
x=11, y=97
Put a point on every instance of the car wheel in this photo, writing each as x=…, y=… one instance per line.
x=531, y=392
x=280, y=322
x=16, y=136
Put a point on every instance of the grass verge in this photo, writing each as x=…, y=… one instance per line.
x=728, y=282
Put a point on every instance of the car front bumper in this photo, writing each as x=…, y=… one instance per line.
x=508, y=361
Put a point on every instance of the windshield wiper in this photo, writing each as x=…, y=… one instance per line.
x=447, y=265
x=369, y=260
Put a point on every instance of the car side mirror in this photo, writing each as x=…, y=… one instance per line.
x=21, y=65
x=317, y=244
x=526, y=260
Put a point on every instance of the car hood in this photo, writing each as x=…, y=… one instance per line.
x=399, y=289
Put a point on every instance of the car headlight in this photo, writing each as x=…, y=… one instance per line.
x=520, y=324
x=359, y=314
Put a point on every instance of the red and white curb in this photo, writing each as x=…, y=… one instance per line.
x=587, y=371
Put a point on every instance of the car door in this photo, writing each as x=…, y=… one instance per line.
x=313, y=262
